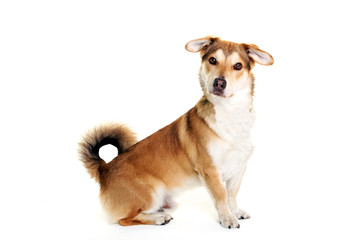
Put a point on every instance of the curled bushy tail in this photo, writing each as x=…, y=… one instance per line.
x=115, y=134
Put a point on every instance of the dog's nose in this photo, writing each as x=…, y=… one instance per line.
x=219, y=84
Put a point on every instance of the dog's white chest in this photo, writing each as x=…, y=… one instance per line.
x=232, y=148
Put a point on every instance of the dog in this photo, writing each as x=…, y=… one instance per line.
x=210, y=144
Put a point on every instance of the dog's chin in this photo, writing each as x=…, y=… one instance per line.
x=217, y=94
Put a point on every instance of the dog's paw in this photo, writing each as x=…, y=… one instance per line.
x=241, y=214
x=162, y=218
x=229, y=222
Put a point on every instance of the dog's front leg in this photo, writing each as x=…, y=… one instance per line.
x=232, y=188
x=213, y=182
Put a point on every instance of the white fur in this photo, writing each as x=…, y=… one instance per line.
x=158, y=199
x=233, y=121
x=162, y=195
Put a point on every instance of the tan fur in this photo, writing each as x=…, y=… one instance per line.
x=136, y=186
x=165, y=159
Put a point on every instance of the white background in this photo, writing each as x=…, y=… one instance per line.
x=66, y=66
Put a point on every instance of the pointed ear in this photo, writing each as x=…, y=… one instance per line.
x=258, y=55
x=199, y=44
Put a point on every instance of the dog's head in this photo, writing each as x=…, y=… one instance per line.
x=226, y=66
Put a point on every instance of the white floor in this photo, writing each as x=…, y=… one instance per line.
x=61, y=202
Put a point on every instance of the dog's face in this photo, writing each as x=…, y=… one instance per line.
x=226, y=66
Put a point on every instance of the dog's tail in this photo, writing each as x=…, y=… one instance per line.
x=117, y=135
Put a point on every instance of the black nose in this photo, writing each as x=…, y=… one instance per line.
x=219, y=84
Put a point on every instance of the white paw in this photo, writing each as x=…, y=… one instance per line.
x=229, y=222
x=241, y=214
x=162, y=218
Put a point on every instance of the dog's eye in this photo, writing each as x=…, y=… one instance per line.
x=212, y=60
x=238, y=66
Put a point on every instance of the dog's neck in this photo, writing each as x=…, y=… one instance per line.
x=230, y=118
x=239, y=103
x=240, y=100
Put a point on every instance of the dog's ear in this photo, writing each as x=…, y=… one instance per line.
x=200, y=44
x=258, y=55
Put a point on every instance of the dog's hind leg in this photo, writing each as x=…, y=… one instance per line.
x=157, y=218
x=150, y=212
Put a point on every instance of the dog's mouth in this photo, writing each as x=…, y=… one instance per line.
x=218, y=93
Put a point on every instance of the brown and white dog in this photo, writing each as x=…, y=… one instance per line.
x=209, y=144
